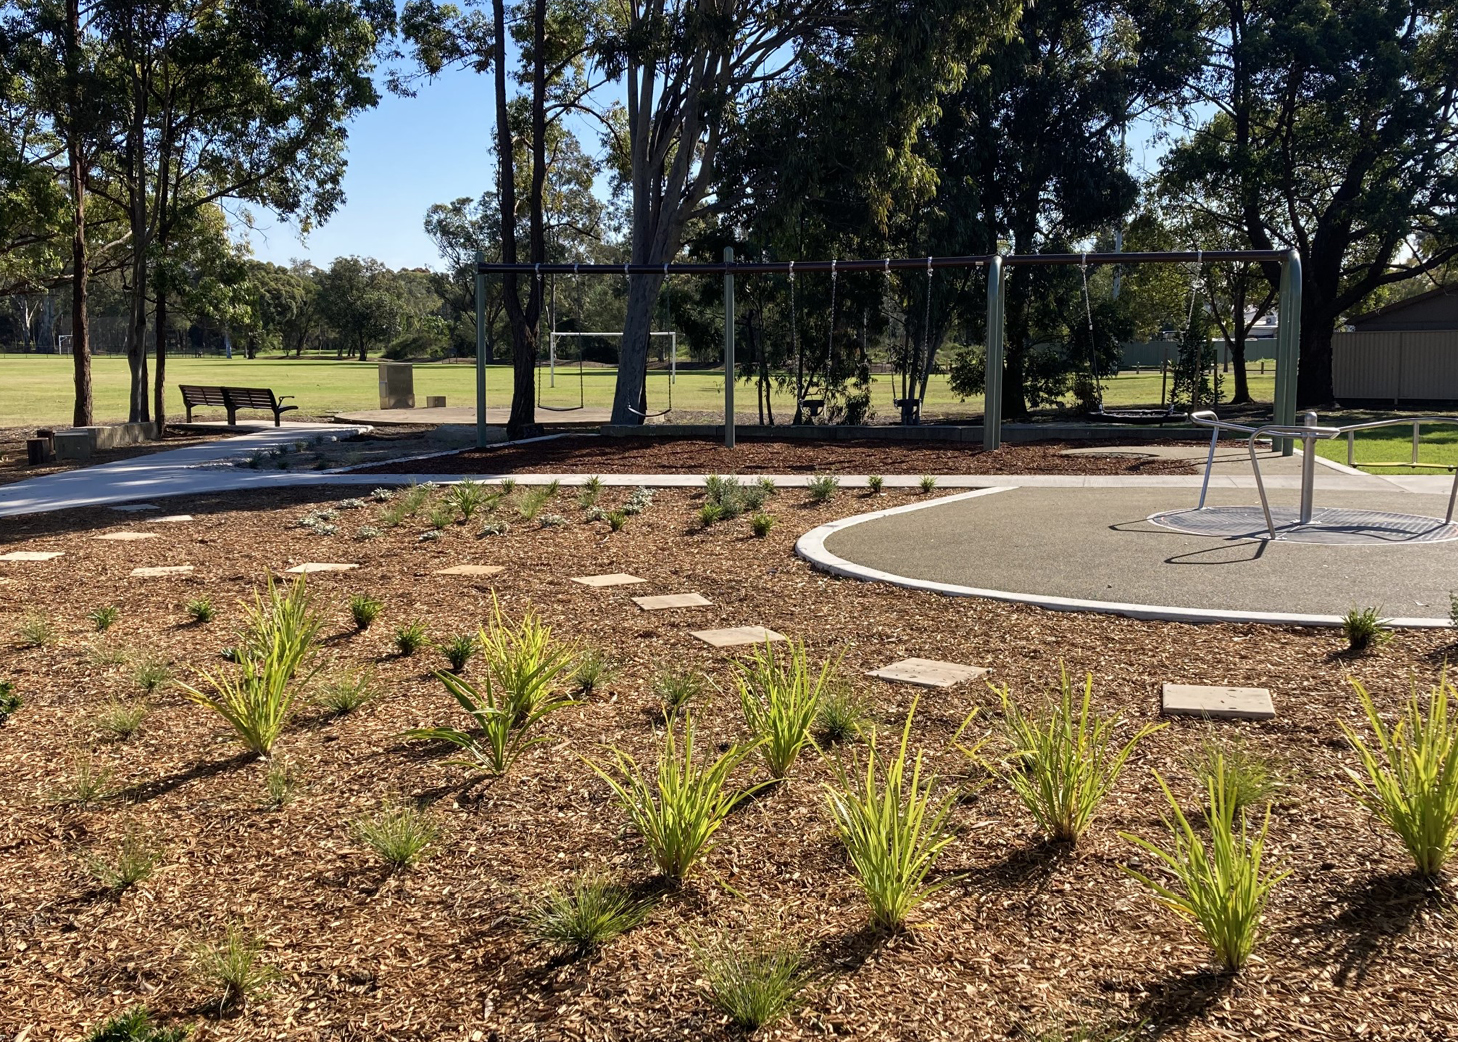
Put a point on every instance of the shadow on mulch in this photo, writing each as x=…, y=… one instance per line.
x=1023, y=867
x=1377, y=912
x=847, y=952
x=147, y=791
x=1173, y=1003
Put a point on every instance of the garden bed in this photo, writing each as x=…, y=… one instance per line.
x=593, y=455
x=1027, y=940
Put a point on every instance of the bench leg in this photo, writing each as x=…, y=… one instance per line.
x=232, y=416
x=277, y=422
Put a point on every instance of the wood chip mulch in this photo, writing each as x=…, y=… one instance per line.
x=594, y=455
x=1027, y=940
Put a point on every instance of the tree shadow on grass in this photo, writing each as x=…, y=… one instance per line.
x=146, y=791
x=1376, y=913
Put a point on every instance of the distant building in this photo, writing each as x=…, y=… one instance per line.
x=1405, y=352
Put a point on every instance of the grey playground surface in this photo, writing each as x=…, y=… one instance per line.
x=1096, y=544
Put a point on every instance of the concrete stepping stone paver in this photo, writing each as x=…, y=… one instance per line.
x=132, y=508
x=127, y=537
x=172, y=518
x=471, y=569
x=310, y=567
x=32, y=555
x=925, y=672
x=158, y=571
x=672, y=600
x=1218, y=703
x=611, y=579
x=737, y=636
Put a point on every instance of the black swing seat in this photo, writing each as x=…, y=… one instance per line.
x=813, y=406
x=1147, y=417
x=910, y=410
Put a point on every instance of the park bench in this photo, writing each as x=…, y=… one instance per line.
x=233, y=399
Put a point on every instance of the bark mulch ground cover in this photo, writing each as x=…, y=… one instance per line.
x=593, y=455
x=1026, y=940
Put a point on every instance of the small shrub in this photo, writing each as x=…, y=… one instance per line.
x=366, y=532
x=37, y=631
x=280, y=782
x=382, y=495
x=132, y=863
x=761, y=524
x=677, y=809
x=779, y=693
x=200, y=610
x=875, y=483
x=676, y=690
x=754, y=984
x=766, y=484
x=135, y=1025
x=364, y=610
x=468, y=498
x=1246, y=777
x=823, y=488
x=928, y=482
x=594, y=513
x=120, y=720
x=394, y=515
x=88, y=783
x=508, y=486
x=458, y=650
x=151, y=674
x=531, y=503
x=1364, y=629
x=494, y=528
x=893, y=830
x=616, y=519
x=551, y=520
x=639, y=500
x=104, y=618
x=443, y=515
x=234, y=964
x=593, y=670
x=582, y=917
x=415, y=497
x=344, y=694
x=350, y=504
x=1412, y=786
x=710, y=514
x=410, y=637
x=399, y=835
x=588, y=494
x=1064, y=761
x=1221, y=888
x=504, y=734
x=841, y=716
x=553, y=488
x=10, y=702
x=526, y=662
x=429, y=536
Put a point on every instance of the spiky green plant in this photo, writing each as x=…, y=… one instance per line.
x=593, y=669
x=105, y=617
x=1221, y=887
x=281, y=623
x=36, y=630
x=233, y=964
x=710, y=514
x=588, y=494
x=1365, y=629
x=468, y=497
x=823, y=488
x=410, y=637
x=280, y=782
x=1064, y=760
x=10, y=702
x=841, y=716
x=616, y=519
x=893, y=828
x=761, y=524
x=364, y=610
x=131, y=863
x=505, y=734
x=458, y=650
x=927, y=483
x=677, y=808
x=875, y=483
x=345, y=693
x=532, y=502
x=88, y=782
x=151, y=673
x=753, y=982
x=135, y=1025
x=399, y=834
x=779, y=694
x=586, y=914
x=676, y=689
x=1249, y=778
x=120, y=720
x=1410, y=780
x=200, y=610
x=526, y=662
x=442, y=516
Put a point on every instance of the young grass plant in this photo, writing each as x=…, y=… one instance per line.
x=1064, y=760
x=200, y=610
x=780, y=693
x=10, y=702
x=841, y=716
x=135, y=1025
x=37, y=631
x=928, y=483
x=133, y=862
x=399, y=835
x=282, y=624
x=1222, y=886
x=893, y=828
x=280, y=783
x=120, y=720
x=88, y=783
x=1410, y=780
x=151, y=674
x=753, y=983
x=525, y=661
x=677, y=808
x=593, y=669
x=364, y=610
x=581, y=917
x=105, y=617
x=458, y=650
x=823, y=488
x=234, y=965
x=875, y=483
x=532, y=502
x=1365, y=630
x=342, y=695
x=410, y=637
x=468, y=498
x=504, y=736
x=1247, y=777
x=676, y=689
x=616, y=519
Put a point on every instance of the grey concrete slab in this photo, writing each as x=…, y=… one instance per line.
x=32, y=555
x=471, y=569
x=160, y=571
x=127, y=537
x=310, y=567
x=1217, y=703
x=737, y=636
x=928, y=672
x=610, y=579
x=665, y=601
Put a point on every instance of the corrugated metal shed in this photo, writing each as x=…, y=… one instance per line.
x=1396, y=365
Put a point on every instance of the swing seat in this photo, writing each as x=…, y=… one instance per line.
x=910, y=410
x=813, y=406
x=1147, y=417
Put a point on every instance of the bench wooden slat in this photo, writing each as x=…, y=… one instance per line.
x=235, y=398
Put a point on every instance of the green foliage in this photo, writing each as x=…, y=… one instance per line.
x=928, y=482
x=1246, y=777
x=823, y=488
x=233, y=964
x=616, y=519
x=875, y=483
x=1412, y=786
x=505, y=732
x=676, y=689
x=1220, y=887
x=10, y=702
x=135, y=1025
x=458, y=650
x=1063, y=760
x=200, y=610
x=280, y=782
x=36, y=630
x=893, y=829
x=730, y=497
x=399, y=835
x=580, y=918
x=508, y=486
x=442, y=515
x=841, y=716
x=766, y=484
x=104, y=618
x=761, y=524
x=151, y=673
x=395, y=514
x=120, y=720
x=87, y=783
x=283, y=624
x=678, y=808
x=710, y=514
x=364, y=610
x=588, y=494
x=753, y=983
x=344, y=694
x=413, y=498
x=531, y=503
x=494, y=528
x=525, y=661
x=1364, y=629
x=410, y=637
x=779, y=694
x=593, y=670
x=131, y=863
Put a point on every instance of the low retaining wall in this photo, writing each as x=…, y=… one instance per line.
x=1015, y=433
x=80, y=442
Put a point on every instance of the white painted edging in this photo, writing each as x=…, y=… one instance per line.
x=811, y=546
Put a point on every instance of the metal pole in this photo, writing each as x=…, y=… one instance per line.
x=992, y=381
x=728, y=350
x=1308, y=467
x=1288, y=346
x=480, y=352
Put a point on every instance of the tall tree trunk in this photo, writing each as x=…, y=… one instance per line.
x=137, y=411
x=1237, y=346
x=82, y=415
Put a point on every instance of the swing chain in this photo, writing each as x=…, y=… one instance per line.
x=830, y=338
x=926, y=318
x=1197, y=283
x=1087, y=307
x=794, y=341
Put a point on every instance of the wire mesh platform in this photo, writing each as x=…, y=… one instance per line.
x=1329, y=526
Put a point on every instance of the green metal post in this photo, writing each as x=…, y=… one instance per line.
x=729, y=350
x=992, y=383
x=1288, y=346
x=480, y=352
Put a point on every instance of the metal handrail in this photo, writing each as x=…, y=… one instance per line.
x=1308, y=432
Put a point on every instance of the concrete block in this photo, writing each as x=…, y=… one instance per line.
x=120, y=435
x=32, y=555
x=672, y=600
x=927, y=672
x=310, y=567
x=435, y=401
x=737, y=635
x=471, y=569
x=74, y=444
x=1218, y=703
x=612, y=579
x=162, y=570
x=397, y=385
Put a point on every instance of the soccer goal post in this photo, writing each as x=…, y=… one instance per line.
x=554, y=336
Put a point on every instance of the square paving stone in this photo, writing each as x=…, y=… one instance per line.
x=736, y=636
x=310, y=567
x=672, y=600
x=127, y=537
x=612, y=579
x=132, y=508
x=471, y=569
x=161, y=570
x=925, y=672
x=1218, y=703
x=172, y=518
x=32, y=555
